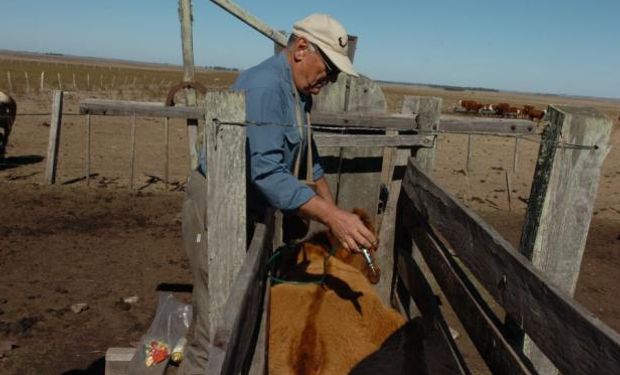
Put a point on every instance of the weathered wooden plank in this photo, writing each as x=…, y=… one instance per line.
x=466, y=125
x=364, y=119
x=226, y=197
x=375, y=140
x=252, y=21
x=428, y=110
x=588, y=345
x=554, y=234
x=325, y=116
x=448, y=358
x=260, y=360
x=117, y=360
x=144, y=109
x=54, y=139
x=480, y=322
x=187, y=43
x=353, y=183
x=237, y=330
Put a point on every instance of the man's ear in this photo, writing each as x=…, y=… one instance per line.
x=300, y=49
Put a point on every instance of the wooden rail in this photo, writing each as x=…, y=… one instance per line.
x=449, y=124
x=545, y=312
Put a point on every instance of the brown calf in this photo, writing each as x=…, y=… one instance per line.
x=334, y=326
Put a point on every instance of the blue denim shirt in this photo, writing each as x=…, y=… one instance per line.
x=273, y=138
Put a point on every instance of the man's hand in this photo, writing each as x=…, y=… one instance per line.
x=350, y=230
x=346, y=227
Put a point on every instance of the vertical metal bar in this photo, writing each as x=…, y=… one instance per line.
x=132, y=151
x=515, y=156
x=470, y=141
x=166, y=134
x=88, y=149
x=509, y=191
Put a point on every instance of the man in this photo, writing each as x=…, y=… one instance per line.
x=278, y=95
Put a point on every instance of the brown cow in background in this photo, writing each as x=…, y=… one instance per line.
x=533, y=113
x=8, y=111
x=471, y=105
x=337, y=325
x=501, y=109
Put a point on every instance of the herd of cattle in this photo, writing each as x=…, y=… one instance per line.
x=500, y=110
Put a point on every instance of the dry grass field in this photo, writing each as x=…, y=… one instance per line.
x=70, y=243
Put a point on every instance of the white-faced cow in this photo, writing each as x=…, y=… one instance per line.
x=8, y=110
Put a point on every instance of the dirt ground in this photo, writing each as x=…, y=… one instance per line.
x=69, y=243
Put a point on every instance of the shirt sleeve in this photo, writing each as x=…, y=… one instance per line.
x=268, y=171
x=317, y=170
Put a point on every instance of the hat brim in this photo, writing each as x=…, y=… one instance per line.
x=342, y=62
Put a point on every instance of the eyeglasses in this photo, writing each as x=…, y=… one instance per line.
x=332, y=70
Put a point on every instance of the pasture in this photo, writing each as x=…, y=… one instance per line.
x=71, y=243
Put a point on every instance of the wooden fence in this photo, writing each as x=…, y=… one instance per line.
x=431, y=229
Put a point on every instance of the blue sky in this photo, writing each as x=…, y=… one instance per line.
x=547, y=46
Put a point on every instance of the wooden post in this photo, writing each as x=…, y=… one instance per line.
x=101, y=81
x=54, y=138
x=113, y=82
x=42, y=81
x=428, y=110
x=185, y=15
x=132, y=151
x=226, y=196
x=88, y=149
x=88, y=81
x=74, y=83
x=167, y=151
x=564, y=189
x=59, y=81
x=10, y=83
x=470, y=145
x=27, y=82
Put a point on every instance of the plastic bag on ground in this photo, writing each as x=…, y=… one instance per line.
x=168, y=328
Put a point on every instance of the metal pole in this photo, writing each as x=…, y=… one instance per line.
x=88, y=148
x=166, y=134
x=515, y=156
x=133, y=151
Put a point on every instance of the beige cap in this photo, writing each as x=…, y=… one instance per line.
x=330, y=36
